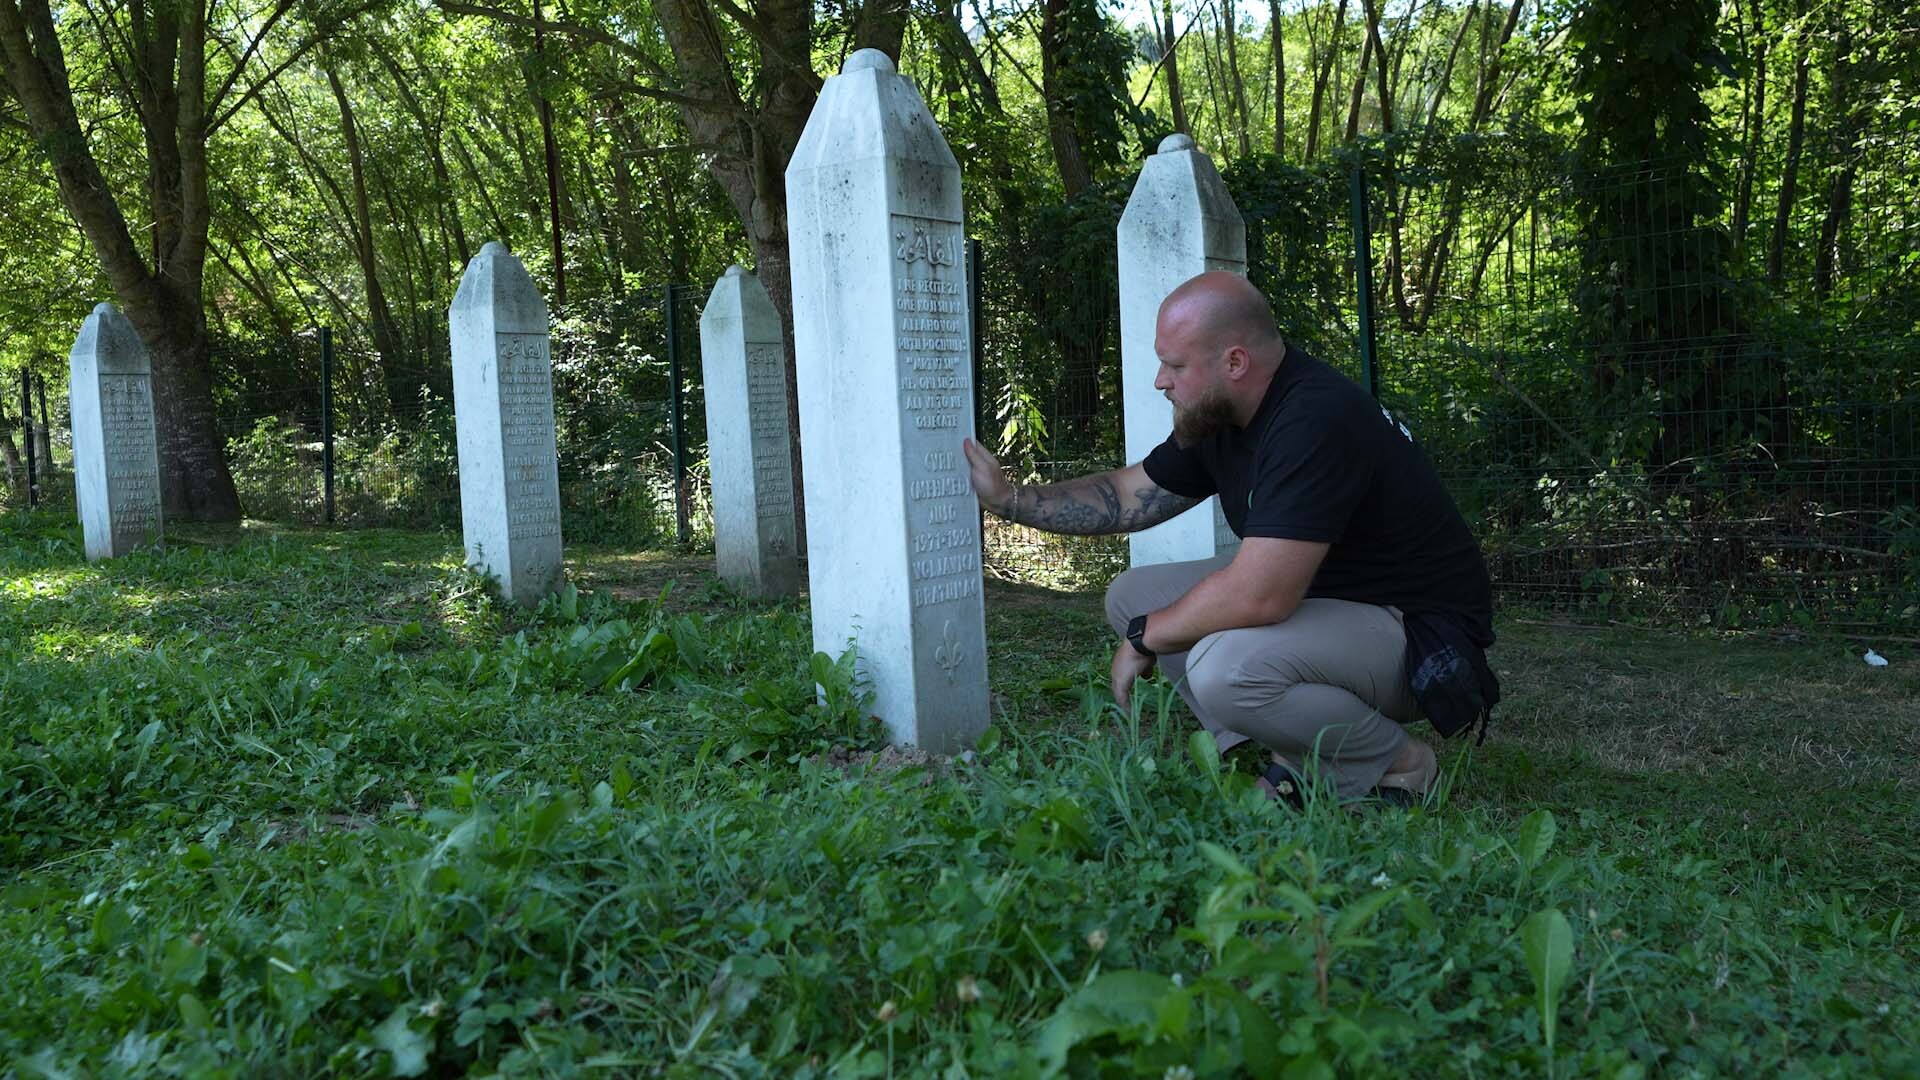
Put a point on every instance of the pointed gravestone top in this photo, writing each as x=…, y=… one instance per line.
x=110, y=343
x=1175, y=143
x=735, y=270
x=497, y=286
x=868, y=59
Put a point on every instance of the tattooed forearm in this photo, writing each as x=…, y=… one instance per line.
x=1094, y=505
x=1085, y=507
x=1155, y=505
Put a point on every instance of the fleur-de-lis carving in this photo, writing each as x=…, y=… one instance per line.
x=950, y=654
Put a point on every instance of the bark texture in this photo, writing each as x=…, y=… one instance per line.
x=166, y=49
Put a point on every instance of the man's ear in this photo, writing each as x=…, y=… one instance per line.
x=1238, y=361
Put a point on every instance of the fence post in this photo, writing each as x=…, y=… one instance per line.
x=679, y=436
x=975, y=321
x=1533, y=244
x=326, y=416
x=26, y=429
x=46, y=425
x=979, y=352
x=1363, y=277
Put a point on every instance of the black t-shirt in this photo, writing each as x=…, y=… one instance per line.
x=1321, y=461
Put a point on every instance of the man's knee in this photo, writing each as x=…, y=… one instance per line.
x=1223, y=683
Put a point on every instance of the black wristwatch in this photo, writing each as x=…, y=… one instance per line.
x=1137, y=636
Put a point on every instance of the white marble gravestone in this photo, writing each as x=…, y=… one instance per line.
x=116, y=459
x=881, y=337
x=503, y=402
x=1179, y=222
x=749, y=444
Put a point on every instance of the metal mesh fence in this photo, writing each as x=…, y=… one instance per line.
x=1652, y=401
x=1653, y=406
x=620, y=425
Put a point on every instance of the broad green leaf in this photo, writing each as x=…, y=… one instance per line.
x=1536, y=837
x=1548, y=943
x=1357, y=915
x=1220, y=856
x=1259, y=1034
x=1116, y=1001
x=1205, y=753
x=408, y=1047
x=1419, y=915
x=1297, y=899
x=193, y=1014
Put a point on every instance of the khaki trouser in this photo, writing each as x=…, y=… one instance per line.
x=1329, y=682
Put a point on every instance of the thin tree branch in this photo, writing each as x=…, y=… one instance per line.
x=319, y=34
x=280, y=10
x=583, y=32
x=993, y=42
x=1165, y=53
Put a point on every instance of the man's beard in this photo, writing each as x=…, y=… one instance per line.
x=1202, y=420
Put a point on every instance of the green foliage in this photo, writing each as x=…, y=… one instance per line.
x=1091, y=62
x=1655, y=296
x=310, y=803
x=1289, y=210
x=1549, y=946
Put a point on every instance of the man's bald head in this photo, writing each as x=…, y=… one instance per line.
x=1218, y=310
x=1218, y=352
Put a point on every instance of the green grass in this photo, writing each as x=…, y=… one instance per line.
x=296, y=802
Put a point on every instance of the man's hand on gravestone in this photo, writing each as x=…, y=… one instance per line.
x=989, y=482
x=1128, y=665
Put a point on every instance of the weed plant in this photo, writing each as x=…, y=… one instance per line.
x=295, y=803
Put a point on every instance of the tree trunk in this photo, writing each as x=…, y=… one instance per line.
x=1170, y=45
x=1446, y=73
x=1439, y=250
x=1239, y=85
x=403, y=393
x=430, y=134
x=1790, y=168
x=551, y=152
x=262, y=290
x=1845, y=115
x=1279, y=79
x=16, y=469
x=165, y=304
x=1489, y=85
x=749, y=148
x=1320, y=80
x=1359, y=89
x=500, y=227
x=1429, y=129
x=43, y=437
x=1753, y=110
x=1397, y=270
x=623, y=213
x=1075, y=176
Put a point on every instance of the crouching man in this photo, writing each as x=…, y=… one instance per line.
x=1350, y=551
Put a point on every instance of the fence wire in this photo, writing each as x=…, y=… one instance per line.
x=1653, y=400
x=1654, y=406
